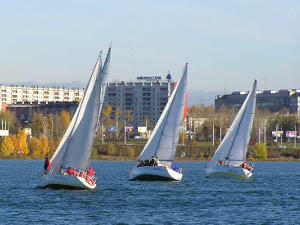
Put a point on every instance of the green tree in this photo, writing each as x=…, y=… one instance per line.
x=110, y=149
x=127, y=152
x=12, y=123
x=7, y=146
x=260, y=151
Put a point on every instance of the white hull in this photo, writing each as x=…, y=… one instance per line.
x=228, y=171
x=64, y=181
x=154, y=173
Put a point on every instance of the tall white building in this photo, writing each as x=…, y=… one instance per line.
x=12, y=94
x=145, y=100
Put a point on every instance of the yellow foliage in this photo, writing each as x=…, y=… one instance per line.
x=22, y=142
x=15, y=143
x=36, y=147
x=106, y=111
x=52, y=145
x=45, y=145
x=7, y=146
x=62, y=122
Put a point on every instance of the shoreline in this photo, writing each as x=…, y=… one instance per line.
x=177, y=159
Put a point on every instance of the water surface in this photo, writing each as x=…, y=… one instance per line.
x=271, y=196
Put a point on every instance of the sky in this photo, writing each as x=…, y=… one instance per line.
x=227, y=44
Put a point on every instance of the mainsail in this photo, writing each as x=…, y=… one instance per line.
x=164, y=139
x=234, y=146
x=75, y=148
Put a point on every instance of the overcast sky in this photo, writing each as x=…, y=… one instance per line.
x=226, y=43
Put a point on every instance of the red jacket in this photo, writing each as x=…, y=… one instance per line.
x=91, y=172
x=47, y=165
x=71, y=171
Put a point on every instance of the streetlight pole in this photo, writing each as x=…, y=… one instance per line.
x=281, y=137
x=276, y=134
x=213, y=134
x=265, y=133
x=258, y=134
x=102, y=141
x=295, y=135
x=124, y=133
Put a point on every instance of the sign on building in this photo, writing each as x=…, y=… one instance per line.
x=291, y=134
x=149, y=78
x=28, y=131
x=142, y=129
x=4, y=133
x=277, y=133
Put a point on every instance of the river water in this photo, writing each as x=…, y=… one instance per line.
x=270, y=196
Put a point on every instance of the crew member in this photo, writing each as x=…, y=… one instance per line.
x=91, y=172
x=71, y=171
x=221, y=162
x=244, y=165
x=46, y=165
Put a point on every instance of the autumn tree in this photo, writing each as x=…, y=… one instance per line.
x=45, y=145
x=6, y=147
x=15, y=142
x=117, y=116
x=37, y=124
x=50, y=125
x=36, y=147
x=127, y=115
x=62, y=121
x=22, y=142
x=52, y=145
x=106, y=111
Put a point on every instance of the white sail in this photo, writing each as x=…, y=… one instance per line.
x=75, y=148
x=164, y=139
x=234, y=146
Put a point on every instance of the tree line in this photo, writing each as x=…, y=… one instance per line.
x=48, y=131
x=46, y=135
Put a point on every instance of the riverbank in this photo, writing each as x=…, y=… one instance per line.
x=123, y=158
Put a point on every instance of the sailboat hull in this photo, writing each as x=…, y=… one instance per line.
x=157, y=173
x=58, y=181
x=225, y=171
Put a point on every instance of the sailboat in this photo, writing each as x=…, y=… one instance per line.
x=230, y=156
x=74, y=151
x=155, y=161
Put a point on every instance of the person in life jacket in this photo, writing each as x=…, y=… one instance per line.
x=46, y=165
x=244, y=165
x=221, y=162
x=71, y=171
x=91, y=172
